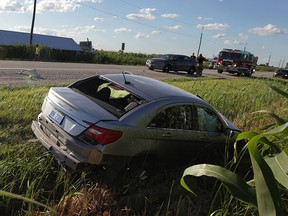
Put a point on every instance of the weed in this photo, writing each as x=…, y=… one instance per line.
x=27, y=169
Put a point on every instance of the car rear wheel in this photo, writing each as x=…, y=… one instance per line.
x=134, y=175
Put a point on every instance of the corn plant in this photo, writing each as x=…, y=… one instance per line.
x=269, y=160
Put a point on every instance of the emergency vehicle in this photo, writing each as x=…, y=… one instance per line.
x=235, y=61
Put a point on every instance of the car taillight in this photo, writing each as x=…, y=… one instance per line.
x=103, y=136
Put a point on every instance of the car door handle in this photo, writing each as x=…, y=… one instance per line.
x=167, y=134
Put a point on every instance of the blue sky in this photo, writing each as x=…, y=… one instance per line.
x=160, y=26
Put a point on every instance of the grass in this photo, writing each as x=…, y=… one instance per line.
x=27, y=169
x=237, y=98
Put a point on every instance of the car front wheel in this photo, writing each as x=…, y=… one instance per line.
x=166, y=68
x=191, y=70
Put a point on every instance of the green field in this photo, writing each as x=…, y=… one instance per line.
x=28, y=170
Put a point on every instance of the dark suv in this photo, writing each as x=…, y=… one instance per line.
x=281, y=73
x=172, y=62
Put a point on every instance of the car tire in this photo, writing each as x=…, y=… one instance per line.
x=220, y=71
x=136, y=175
x=129, y=176
x=191, y=71
x=166, y=68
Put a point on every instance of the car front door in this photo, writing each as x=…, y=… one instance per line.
x=180, y=63
x=177, y=138
x=211, y=135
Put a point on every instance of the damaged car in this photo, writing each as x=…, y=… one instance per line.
x=104, y=119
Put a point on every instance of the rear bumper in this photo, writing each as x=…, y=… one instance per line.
x=62, y=153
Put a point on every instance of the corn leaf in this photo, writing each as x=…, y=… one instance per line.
x=279, y=167
x=233, y=183
x=246, y=135
x=283, y=93
x=268, y=196
x=278, y=119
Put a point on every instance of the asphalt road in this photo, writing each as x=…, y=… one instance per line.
x=17, y=72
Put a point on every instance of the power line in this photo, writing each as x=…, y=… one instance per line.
x=174, y=20
x=134, y=21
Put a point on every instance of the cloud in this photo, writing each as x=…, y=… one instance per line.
x=44, y=31
x=144, y=13
x=87, y=29
x=141, y=36
x=61, y=32
x=243, y=36
x=171, y=16
x=22, y=28
x=122, y=29
x=176, y=27
x=269, y=29
x=12, y=6
x=219, y=36
x=214, y=26
x=228, y=42
x=56, y=6
x=204, y=18
x=26, y=6
x=98, y=19
x=156, y=32
x=147, y=10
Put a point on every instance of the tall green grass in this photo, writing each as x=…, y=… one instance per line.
x=266, y=193
x=237, y=98
x=27, y=169
x=18, y=106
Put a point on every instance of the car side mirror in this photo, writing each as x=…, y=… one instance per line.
x=228, y=132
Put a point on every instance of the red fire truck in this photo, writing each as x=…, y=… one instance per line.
x=235, y=61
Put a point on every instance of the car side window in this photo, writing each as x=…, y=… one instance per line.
x=176, y=117
x=208, y=120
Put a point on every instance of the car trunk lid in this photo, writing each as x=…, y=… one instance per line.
x=72, y=110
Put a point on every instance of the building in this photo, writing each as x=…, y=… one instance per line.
x=86, y=46
x=11, y=38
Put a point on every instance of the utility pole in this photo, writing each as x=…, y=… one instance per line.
x=282, y=66
x=269, y=60
x=200, y=41
x=33, y=20
x=245, y=48
x=279, y=63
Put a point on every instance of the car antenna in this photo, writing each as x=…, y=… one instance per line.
x=125, y=81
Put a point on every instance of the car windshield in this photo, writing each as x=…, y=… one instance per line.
x=165, y=57
x=230, y=55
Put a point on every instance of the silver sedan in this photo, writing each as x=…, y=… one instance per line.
x=106, y=118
